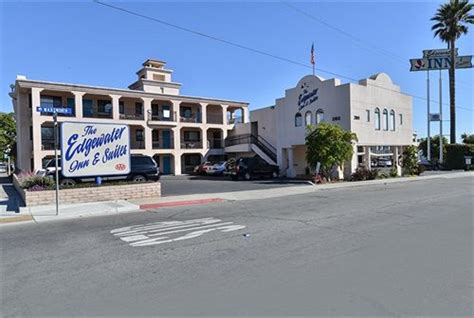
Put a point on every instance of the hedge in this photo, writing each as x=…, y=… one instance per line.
x=455, y=155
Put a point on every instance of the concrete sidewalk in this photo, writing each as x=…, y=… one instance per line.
x=73, y=211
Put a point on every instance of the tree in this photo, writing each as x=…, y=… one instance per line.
x=7, y=135
x=452, y=19
x=410, y=160
x=434, y=144
x=467, y=139
x=330, y=145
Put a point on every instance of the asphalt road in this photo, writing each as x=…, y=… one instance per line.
x=191, y=184
x=396, y=249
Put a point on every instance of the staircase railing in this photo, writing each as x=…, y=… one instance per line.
x=259, y=141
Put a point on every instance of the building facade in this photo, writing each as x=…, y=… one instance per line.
x=374, y=108
x=178, y=131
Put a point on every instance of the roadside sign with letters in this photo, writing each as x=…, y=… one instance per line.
x=94, y=149
x=438, y=53
x=55, y=110
x=439, y=63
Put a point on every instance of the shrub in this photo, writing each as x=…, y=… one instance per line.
x=383, y=175
x=34, y=182
x=393, y=172
x=363, y=173
x=410, y=160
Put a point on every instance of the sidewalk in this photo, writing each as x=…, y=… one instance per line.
x=73, y=211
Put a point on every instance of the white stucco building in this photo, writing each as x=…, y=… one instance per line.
x=178, y=131
x=374, y=108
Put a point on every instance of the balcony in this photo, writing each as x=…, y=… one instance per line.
x=191, y=118
x=214, y=118
x=166, y=116
x=215, y=143
x=191, y=144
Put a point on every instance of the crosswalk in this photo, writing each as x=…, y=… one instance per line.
x=171, y=231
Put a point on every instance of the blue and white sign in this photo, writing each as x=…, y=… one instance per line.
x=94, y=149
x=57, y=110
x=307, y=96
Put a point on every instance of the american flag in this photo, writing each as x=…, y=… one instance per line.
x=312, y=54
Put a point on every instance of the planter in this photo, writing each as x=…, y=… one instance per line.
x=91, y=194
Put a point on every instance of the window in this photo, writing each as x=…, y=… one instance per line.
x=377, y=119
x=138, y=109
x=87, y=107
x=367, y=113
x=319, y=116
x=139, y=135
x=186, y=112
x=385, y=119
x=298, y=120
x=308, y=118
x=392, y=120
x=121, y=108
x=50, y=101
x=155, y=135
x=401, y=119
x=191, y=135
x=104, y=106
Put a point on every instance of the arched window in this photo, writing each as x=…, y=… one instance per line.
x=308, y=118
x=319, y=116
x=298, y=120
x=385, y=119
x=392, y=120
x=377, y=119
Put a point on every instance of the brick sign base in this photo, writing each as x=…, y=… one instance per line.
x=92, y=194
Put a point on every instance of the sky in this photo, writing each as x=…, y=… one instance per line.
x=85, y=43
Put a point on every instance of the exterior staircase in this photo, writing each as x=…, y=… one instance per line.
x=258, y=144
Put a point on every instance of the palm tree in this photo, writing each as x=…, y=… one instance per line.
x=451, y=22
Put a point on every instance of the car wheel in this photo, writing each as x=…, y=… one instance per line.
x=247, y=176
x=67, y=183
x=274, y=175
x=138, y=178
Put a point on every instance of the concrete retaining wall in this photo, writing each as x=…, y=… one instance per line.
x=92, y=194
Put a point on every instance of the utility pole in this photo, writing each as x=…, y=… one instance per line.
x=428, y=141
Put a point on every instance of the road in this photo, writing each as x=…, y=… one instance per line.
x=394, y=249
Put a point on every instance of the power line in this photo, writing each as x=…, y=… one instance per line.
x=244, y=47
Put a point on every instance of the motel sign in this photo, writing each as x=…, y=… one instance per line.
x=439, y=63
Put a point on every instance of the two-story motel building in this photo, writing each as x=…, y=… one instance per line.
x=182, y=131
x=178, y=131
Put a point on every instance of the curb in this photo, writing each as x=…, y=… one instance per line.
x=179, y=203
x=14, y=219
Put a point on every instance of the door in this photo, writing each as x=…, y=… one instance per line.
x=166, y=164
x=166, y=135
x=254, y=128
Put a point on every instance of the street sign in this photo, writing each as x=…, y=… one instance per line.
x=55, y=110
x=439, y=53
x=435, y=117
x=94, y=149
x=441, y=63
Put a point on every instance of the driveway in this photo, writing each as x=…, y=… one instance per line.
x=183, y=185
x=10, y=200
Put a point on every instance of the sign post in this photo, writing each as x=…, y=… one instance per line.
x=439, y=59
x=55, y=111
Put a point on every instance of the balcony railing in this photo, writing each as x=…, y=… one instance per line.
x=96, y=114
x=48, y=144
x=191, y=144
x=214, y=118
x=194, y=118
x=132, y=116
x=236, y=120
x=161, y=116
x=161, y=144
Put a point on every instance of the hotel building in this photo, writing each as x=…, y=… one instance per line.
x=374, y=108
x=178, y=131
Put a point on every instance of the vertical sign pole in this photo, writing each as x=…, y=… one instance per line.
x=55, y=117
x=428, y=142
x=440, y=119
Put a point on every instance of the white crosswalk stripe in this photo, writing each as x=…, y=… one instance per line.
x=164, y=232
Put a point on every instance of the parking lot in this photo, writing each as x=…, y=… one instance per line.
x=189, y=184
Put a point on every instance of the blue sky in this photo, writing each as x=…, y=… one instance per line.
x=83, y=42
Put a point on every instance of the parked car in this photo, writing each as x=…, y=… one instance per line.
x=249, y=168
x=202, y=168
x=142, y=168
x=217, y=169
x=3, y=167
x=384, y=162
x=428, y=165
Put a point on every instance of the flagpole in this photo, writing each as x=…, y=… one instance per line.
x=313, y=69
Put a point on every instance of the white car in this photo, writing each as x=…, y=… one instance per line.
x=218, y=168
